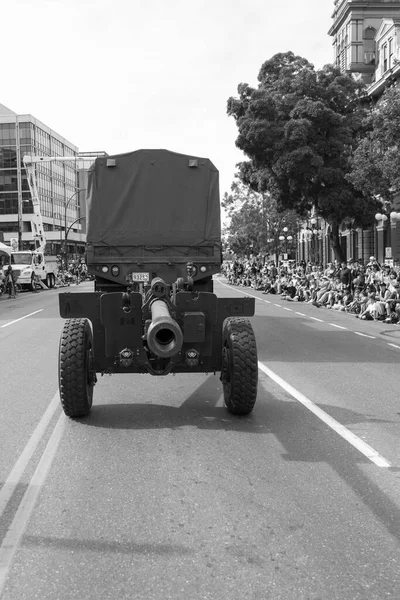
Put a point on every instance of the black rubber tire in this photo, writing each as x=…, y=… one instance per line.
x=32, y=285
x=76, y=377
x=239, y=365
x=50, y=281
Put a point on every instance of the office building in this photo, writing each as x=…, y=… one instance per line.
x=61, y=195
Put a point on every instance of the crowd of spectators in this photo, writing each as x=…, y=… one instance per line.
x=368, y=291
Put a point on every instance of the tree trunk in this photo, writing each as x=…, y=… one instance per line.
x=334, y=239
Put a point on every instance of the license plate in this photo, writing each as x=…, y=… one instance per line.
x=140, y=276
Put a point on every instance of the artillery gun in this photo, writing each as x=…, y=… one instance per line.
x=153, y=245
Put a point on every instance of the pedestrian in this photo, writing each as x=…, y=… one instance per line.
x=345, y=275
x=10, y=282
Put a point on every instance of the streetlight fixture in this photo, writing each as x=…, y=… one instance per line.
x=285, y=238
x=65, y=223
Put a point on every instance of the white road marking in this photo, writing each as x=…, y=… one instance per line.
x=394, y=346
x=240, y=291
x=289, y=309
x=20, y=319
x=18, y=469
x=297, y=313
x=345, y=433
x=15, y=531
x=365, y=335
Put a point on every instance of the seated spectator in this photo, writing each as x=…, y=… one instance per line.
x=324, y=289
x=329, y=271
x=369, y=308
x=343, y=299
x=359, y=279
x=354, y=305
x=373, y=263
x=302, y=287
x=378, y=309
x=335, y=290
x=392, y=306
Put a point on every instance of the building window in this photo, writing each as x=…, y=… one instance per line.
x=390, y=42
x=369, y=33
x=385, y=58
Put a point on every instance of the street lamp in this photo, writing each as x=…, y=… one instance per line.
x=58, y=216
x=66, y=238
x=285, y=238
x=65, y=223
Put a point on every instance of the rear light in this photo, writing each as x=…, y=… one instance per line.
x=104, y=269
x=203, y=269
x=115, y=270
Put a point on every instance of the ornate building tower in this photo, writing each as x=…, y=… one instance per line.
x=366, y=42
x=356, y=24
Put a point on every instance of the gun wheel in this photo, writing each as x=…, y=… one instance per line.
x=239, y=373
x=76, y=374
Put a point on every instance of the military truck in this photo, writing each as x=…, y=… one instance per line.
x=153, y=246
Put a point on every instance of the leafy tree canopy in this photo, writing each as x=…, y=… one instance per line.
x=254, y=219
x=375, y=165
x=299, y=128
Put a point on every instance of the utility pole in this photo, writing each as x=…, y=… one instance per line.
x=19, y=182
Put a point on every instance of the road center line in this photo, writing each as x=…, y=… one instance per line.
x=15, y=531
x=20, y=319
x=289, y=309
x=280, y=306
x=394, y=346
x=345, y=433
x=19, y=467
x=365, y=335
x=239, y=291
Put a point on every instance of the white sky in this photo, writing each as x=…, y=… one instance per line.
x=122, y=75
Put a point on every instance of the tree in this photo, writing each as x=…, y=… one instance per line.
x=299, y=128
x=254, y=219
x=375, y=165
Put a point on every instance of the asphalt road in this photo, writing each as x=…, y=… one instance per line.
x=162, y=494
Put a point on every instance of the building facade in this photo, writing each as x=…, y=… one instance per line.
x=366, y=44
x=61, y=185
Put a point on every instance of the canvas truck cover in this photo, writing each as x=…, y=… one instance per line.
x=153, y=197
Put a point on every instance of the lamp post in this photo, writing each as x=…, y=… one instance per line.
x=65, y=224
x=58, y=216
x=286, y=238
x=314, y=235
x=66, y=238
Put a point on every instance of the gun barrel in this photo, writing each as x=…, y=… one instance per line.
x=164, y=336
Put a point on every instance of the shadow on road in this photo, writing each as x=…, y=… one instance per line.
x=198, y=410
x=304, y=438
x=105, y=546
